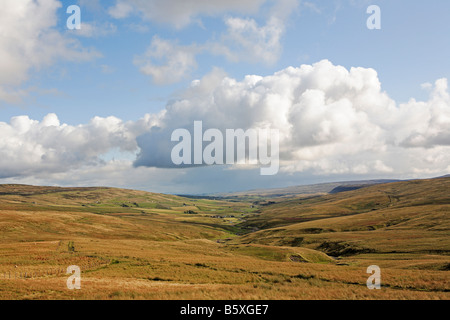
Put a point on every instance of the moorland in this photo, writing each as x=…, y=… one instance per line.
x=133, y=244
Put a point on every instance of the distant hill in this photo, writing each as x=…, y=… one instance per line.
x=321, y=188
x=287, y=192
x=345, y=188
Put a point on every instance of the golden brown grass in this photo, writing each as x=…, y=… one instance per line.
x=138, y=245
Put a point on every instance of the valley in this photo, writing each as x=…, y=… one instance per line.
x=138, y=245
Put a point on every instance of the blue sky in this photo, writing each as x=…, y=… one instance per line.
x=119, y=65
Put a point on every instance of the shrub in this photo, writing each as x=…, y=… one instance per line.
x=71, y=246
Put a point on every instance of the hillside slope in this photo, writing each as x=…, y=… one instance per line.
x=408, y=216
x=139, y=245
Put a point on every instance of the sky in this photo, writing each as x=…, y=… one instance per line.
x=96, y=106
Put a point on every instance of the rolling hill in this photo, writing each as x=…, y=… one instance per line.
x=138, y=245
x=402, y=217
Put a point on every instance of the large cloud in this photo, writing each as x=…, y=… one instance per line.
x=29, y=40
x=332, y=121
x=29, y=147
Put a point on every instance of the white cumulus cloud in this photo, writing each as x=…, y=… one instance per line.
x=30, y=41
x=332, y=121
x=29, y=146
